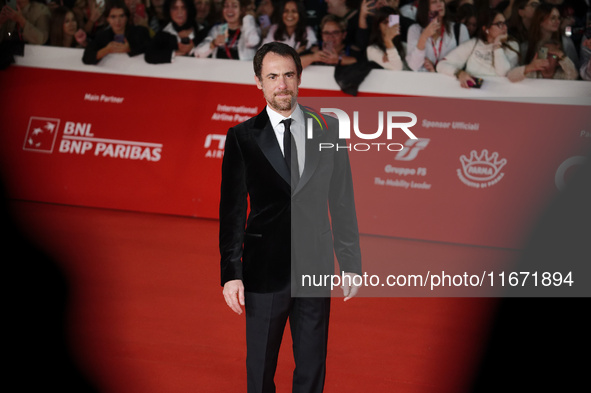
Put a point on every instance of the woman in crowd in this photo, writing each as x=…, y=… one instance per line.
x=348, y=10
x=545, y=25
x=466, y=15
x=237, y=38
x=292, y=29
x=139, y=15
x=382, y=48
x=265, y=16
x=181, y=35
x=522, y=13
x=556, y=65
x=366, y=16
x=205, y=17
x=90, y=16
x=432, y=37
x=156, y=16
x=63, y=29
x=120, y=37
x=492, y=53
x=334, y=51
x=29, y=22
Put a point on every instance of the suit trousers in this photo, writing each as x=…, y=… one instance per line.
x=266, y=317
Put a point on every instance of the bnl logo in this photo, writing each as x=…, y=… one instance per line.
x=41, y=134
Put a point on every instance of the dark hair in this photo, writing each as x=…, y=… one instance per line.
x=278, y=48
x=535, y=31
x=484, y=22
x=56, y=29
x=341, y=22
x=423, y=16
x=353, y=4
x=515, y=25
x=118, y=4
x=243, y=5
x=191, y=13
x=300, y=30
x=375, y=37
x=465, y=12
x=211, y=17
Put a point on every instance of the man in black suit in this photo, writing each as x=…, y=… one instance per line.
x=291, y=185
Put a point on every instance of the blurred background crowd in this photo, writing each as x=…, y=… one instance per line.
x=465, y=39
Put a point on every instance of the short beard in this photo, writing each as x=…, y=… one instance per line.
x=284, y=104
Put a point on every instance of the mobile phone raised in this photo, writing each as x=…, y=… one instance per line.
x=393, y=20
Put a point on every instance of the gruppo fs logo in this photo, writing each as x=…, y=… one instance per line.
x=344, y=122
x=41, y=134
x=481, y=170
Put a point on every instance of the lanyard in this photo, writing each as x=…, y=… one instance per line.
x=438, y=53
x=232, y=43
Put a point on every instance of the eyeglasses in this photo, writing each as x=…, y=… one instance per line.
x=533, y=5
x=500, y=25
x=331, y=33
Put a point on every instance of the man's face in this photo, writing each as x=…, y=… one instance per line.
x=279, y=82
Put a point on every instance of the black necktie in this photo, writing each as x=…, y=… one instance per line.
x=290, y=153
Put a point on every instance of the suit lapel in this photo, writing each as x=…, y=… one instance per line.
x=312, y=153
x=267, y=141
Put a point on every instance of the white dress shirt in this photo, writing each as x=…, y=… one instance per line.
x=297, y=128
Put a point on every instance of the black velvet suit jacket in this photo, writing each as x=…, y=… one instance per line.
x=288, y=232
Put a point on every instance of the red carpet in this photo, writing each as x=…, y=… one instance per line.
x=147, y=314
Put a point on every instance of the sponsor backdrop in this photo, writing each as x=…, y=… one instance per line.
x=478, y=173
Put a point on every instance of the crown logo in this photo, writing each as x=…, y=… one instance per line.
x=482, y=167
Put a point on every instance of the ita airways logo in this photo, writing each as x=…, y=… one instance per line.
x=41, y=134
x=214, y=145
x=481, y=170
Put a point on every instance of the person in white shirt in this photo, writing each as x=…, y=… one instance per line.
x=556, y=65
x=292, y=29
x=432, y=37
x=381, y=47
x=545, y=25
x=236, y=39
x=409, y=10
x=491, y=53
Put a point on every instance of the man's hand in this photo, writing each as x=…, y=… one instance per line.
x=349, y=287
x=234, y=295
